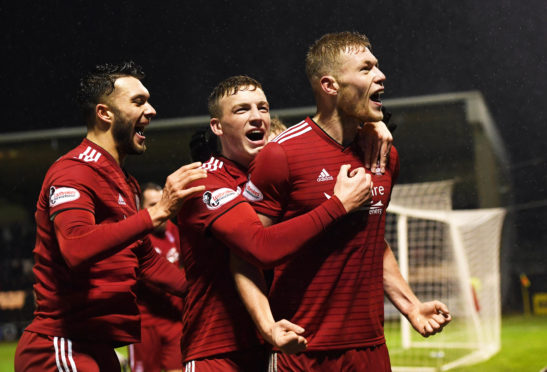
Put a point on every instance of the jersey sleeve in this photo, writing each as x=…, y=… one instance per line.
x=200, y=210
x=269, y=180
x=81, y=241
x=265, y=247
x=72, y=185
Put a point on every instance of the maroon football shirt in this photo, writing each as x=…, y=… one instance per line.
x=156, y=305
x=94, y=301
x=334, y=288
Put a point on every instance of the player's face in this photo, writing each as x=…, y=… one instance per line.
x=150, y=198
x=132, y=113
x=244, y=126
x=361, y=84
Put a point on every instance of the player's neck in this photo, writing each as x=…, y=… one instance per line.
x=106, y=141
x=341, y=129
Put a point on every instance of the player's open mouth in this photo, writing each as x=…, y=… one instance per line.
x=376, y=97
x=140, y=132
x=255, y=135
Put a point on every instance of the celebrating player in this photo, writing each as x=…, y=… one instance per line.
x=334, y=288
x=218, y=334
x=91, y=237
x=161, y=312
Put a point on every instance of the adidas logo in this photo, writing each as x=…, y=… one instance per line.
x=324, y=176
x=120, y=200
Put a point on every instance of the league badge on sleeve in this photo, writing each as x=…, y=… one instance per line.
x=216, y=199
x=252, y=193
x=62, y=195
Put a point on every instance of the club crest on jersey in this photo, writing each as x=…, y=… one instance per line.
x=62, y=195
x=252, y=193
x=216, y=199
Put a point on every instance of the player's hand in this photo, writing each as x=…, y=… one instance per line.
x=429, y=318
x=286, y=336
x=353, y=188
x=375, y=141
x=175, y=191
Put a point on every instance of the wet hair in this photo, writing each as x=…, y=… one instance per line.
x=229, y=87
x=203, y=144
x=99, y=83
x=322, y=57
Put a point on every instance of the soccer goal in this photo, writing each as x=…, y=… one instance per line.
x=452, y=256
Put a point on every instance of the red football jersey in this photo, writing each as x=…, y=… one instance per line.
x=215, y=320
x=334, y=289
x=155, y=304
x=94, y=301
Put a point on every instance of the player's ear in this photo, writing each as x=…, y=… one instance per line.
x=329, y=85
x=104, y=113
x=216, y=126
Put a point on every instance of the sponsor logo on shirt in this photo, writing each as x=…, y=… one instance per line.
x=62, y=195
x=376, y=208
x=89, y=155
x=216, y=199
x=252, y=192
x=324, y=176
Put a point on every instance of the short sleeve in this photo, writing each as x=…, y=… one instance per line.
x=269, y=181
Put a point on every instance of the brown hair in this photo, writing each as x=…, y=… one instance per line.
x=276, y=126
x=323, y=54
x=229, y=87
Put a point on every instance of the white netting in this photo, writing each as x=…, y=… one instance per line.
x=452, y=256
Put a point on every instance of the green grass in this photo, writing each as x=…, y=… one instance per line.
x=523, y=348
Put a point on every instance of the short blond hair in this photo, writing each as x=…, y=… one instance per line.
x=322, y=57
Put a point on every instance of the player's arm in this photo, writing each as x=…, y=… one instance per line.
x=375, y=140
x=82, y=240
x=240, y=228
x=251, y=286
x=428, y=318
x=155, y=269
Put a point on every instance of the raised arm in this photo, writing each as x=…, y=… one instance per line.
x=428, y=318
x=375, y=141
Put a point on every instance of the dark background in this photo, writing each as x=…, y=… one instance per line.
x=497, y=47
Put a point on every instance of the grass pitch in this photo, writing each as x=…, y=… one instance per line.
x=523, y=348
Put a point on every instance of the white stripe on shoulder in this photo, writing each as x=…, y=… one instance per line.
x=70, y=358
x=289, y=131
x=294, y=131
x=212, y=164
x=56, y=347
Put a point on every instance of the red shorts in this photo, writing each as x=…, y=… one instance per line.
x=370, y=359
x=41, y=353
x=239, y=361
x=159, y=348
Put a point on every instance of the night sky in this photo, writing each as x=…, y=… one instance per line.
x=498, y=47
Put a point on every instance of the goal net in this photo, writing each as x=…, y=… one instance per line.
x=448, y=255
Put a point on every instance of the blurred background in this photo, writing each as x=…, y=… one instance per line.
x=492, y=51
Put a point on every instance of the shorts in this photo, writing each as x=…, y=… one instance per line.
x=369, y=359
x=40, y=353
x=159, y=348
x=238, y=361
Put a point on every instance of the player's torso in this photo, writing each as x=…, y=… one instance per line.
x=214, y=319
x=336, y=282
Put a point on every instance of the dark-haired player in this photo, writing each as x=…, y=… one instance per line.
x=91, y=237
x=335, y=288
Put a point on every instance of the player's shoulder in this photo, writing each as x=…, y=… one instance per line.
x=297, y=132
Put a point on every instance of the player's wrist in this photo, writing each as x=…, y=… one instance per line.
x=158, y=215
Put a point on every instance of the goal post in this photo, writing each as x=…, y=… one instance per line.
x=448, y=255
